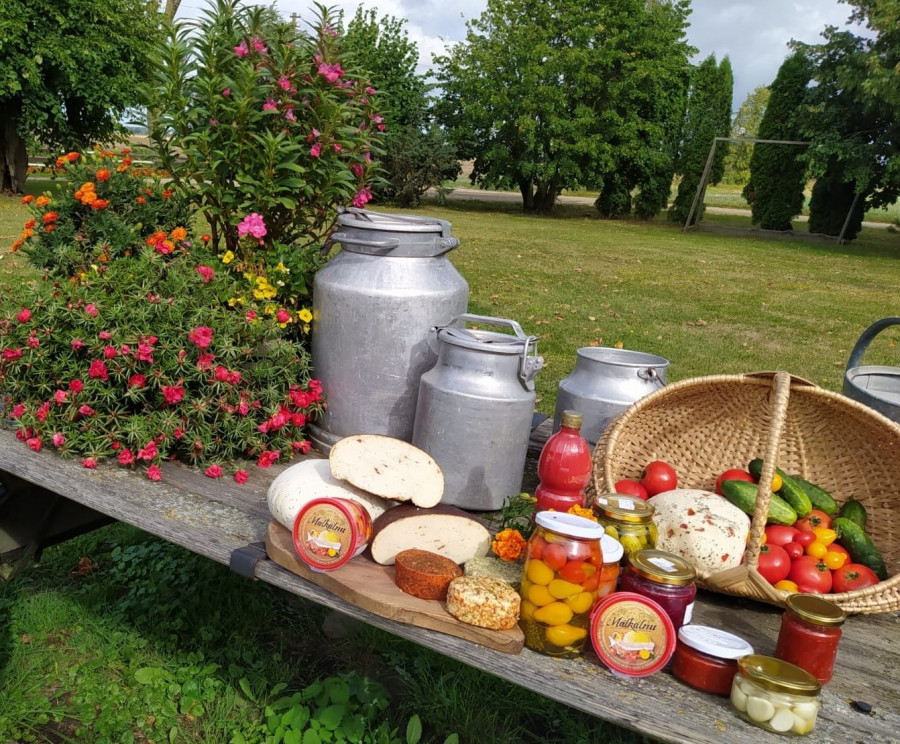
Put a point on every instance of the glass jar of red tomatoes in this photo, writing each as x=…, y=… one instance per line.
x=665, y=578
x=706, y=658
x=810, y=633
x=560, y=583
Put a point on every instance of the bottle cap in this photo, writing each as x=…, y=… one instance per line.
x=815, y=609
x=569, y=525
x=777, y=675
x=714, y=642
x=662, y=567
x=623, y=508
x=571, y=419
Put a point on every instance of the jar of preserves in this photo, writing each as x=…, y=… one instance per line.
x=564, y=467
x=612, y=559
x=664, y=577
x=628, y=519
x=706, y=658
x=810, y=633
x=328, y=532
x=775, y=695
x=560, y=583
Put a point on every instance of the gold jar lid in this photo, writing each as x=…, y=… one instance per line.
x=777, y=675
x=662, y=567
x=622, y=508
x=571, y=419
x=816, y=609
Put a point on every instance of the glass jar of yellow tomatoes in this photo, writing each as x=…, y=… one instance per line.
x=628, y=519
x=560, y=583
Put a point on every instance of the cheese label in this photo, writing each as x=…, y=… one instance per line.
x=632, y=634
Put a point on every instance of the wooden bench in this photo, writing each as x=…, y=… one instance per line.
x=215, y=518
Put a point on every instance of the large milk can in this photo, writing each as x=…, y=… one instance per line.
x=604, y=383
x=374, y=304
x=475, y=407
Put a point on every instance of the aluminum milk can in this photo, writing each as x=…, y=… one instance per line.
x=374, y=304
x=474, y=410
x=604, y=383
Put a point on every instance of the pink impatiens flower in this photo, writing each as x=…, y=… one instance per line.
x=207, y=273
x=201, y=336
x=213, y=471
x=259, y=46
x=284, y=82
x=363, y=196
x=316, y=150
x=253, y=225
x=241, y=476
x=226, y=92
x=332, y=73
x=270, y=105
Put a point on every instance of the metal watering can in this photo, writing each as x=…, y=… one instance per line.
x=875, y=386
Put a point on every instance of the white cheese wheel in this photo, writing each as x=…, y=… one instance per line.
x=311, y=479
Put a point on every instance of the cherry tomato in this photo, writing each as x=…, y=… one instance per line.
x=576, y=571
x=834, y=560
x=816, y=549
x=786, y=586
x=805, y=537
x=733, y=474
x=810, y=575
x=777, y=482
x=536, y=548
x=852, y=576
x=631, y=488
x=793, y=549
x=774, y=564
x=824, y=535
x=835, y=548
x=816, y=518
x=780, y=534
x=554, y=556
x=659, y=476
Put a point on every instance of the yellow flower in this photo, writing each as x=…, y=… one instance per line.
x=306, y=328
x=228, y=258
x=282, y=268
x=305, y=315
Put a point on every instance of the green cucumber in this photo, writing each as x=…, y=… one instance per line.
x=743, y=495
x=791, y=491
x=859, y=545
x=820, y=498
x=855, y=512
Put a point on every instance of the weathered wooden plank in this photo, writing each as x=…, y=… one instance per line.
x=213, y=518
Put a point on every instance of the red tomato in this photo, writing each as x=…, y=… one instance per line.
x=659, y=476
x=805, y=537
x=853, y=576
x=774, y=564
x=733, y=474
x=815, y=519
x=631, y=488
x=554, y=556
x=536, y=548
x=810, y=575
x=576, y=571
x=780, y=534
x=793, y=549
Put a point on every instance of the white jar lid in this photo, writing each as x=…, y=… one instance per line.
x=612, y=549
x=714, y=642
x=570, y=525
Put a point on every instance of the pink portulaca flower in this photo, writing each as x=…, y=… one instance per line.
x=89, y=462
x=105, y=335
x=301, y=447
x=144, y=353
x=137, y=381
x=41, y=413
x=109, y=352
x=153, y=473
x=34, y=443
x=91, y=310
x=267, y=459
x=213, y=471
x=11, y=355
x=77, y=344
x=24, y=315
x=98, y=371
x=201, y=336
x=207, y=273
x=250, y=315
x=86, y=410
x=76, y=386
x=205, y=360
x=58, y=440
x=32, y=341
x=126, y=457
x=253, y=225
x=173, y=394
x=60, y=396
x=242, y=50
x=241, y=476
x=149, y=452
x=17, y=411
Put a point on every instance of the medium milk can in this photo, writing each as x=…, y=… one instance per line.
x=604, y=383
x=374, y=304
x=475, y=407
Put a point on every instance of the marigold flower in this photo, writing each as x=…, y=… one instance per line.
x=27, y=199
x=154, y=473
x=102, y=175
x=508, y=544
x=17, y=244
x=49, y=217
x=99, y=204
x=241, y=476
x=141, y=200
x=580, y=511
x=49, y=228
x=29, y=225
x=72, y=157
x=167, y=194
x=178, y=234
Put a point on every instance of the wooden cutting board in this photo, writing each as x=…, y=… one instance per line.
x=370, y=586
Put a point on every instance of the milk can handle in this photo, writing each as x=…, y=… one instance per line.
x=349, y=239
x=873, y=330
x=652, y=375
x=471, y=318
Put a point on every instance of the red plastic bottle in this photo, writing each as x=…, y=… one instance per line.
x=564, y=467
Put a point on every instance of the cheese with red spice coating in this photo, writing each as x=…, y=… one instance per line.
x=487, y=603
x=424, y=574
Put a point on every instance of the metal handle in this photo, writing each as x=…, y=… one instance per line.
x=516, y=328
x=873, y=330
x=388, y=244
x=651, y=375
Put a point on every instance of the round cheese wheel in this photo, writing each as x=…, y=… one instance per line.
x=424, y=574
x=487, y=603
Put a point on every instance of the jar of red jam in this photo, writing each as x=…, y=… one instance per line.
x=665, y=578
x=706, y=658
x=560, y=582
x=810, y=633
x=328, y=532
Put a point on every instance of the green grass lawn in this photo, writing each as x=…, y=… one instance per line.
x=156, y=644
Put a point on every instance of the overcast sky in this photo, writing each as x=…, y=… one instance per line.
x=753, y=33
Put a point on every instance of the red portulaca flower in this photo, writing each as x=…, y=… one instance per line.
x=34, y=443
x=213, y=471
x=173, y=393
x=207, y=273
x=267, y=459
x=98, y=371
x=42, y=412
x=126, y=457
x=76, y=386
x=109, y=352
x=24, y=315
x=153, y=473
x=58, y=440
x=89, y=462
x=137, y=381
x=240, y=477
x=144, y=353
x=17, y=411
x=201, y=336
x=149, y=452
x=11, y=355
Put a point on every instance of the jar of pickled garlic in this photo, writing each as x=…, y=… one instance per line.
x=560, y=582
x=665, y=578
x=628, y=519
x=328, y=532
x=810, y=633
x=775, y=695
x=706, y=658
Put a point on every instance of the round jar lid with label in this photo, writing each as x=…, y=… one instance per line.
x=714, y=642
x=622, y=507
x=632, y=634
x=662, y=567
x=570, y=525
x=325, y=534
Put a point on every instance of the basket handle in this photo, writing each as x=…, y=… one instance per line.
x=770, y=375
x=780, y=394
x=873, y=330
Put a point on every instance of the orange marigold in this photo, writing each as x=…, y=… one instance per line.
x=42, y=201
x=49, y=217
x=61, y=162
x=580, y=511
x=29, y=225
x=508, y=544
x=206, y=237
x=179, y=233
x=158, y=237
x=72, y=156
x=27, y=199
x=16, y=245
x=102, y=175
x=100, y=204
x=167, y=193
x=49, y=228
x=125, y=151
x=141, y=200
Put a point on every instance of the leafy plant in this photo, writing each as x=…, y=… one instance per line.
x=254, y=117
x=516, y=513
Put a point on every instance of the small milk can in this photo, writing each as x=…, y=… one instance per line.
x=374, y=304
x=604, y=383
x=474, y=410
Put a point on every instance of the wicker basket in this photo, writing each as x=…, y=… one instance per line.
x=705, y=425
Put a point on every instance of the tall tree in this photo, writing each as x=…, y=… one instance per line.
x=745, y=125
x=708, y=116
x=547, y=95
x=778, y=172
x=415, y=155
x=68, y=71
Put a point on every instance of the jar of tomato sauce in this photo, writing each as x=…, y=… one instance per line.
x=560, y=583
x=664, y=577
x=810, y=633
x=706, y=658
